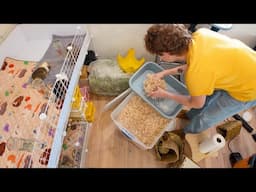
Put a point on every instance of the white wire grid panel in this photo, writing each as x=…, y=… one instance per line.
x=61, y=94
x=85, y=144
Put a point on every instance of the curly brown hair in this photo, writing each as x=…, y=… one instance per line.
x=170, y=38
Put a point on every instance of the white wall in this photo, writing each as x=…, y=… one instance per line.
x=5, y=29
x=243, y=32
x=111, y=39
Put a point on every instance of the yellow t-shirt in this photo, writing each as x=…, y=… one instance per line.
x=216, y=61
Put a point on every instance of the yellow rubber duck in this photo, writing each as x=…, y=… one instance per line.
x=129, y=63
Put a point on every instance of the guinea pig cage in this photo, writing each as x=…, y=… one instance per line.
x=33, y=121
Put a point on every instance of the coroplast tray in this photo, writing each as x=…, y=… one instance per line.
x=166, y=107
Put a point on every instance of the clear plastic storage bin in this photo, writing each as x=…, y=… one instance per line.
x=114, y=115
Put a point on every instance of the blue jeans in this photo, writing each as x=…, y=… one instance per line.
x=218, y=107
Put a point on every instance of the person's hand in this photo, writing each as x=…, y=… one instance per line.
x=159, y=75
x=158, y=93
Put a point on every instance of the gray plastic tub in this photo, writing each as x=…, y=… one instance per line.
x=166, y=107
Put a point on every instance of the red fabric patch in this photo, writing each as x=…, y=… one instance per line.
x=11, y=65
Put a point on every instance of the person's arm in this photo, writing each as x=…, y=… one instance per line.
x=189, y=101
x=172, y=71
x=196, y=102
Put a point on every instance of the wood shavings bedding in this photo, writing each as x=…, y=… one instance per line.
x=151, y=84
x=142, y=120
x=23, y=142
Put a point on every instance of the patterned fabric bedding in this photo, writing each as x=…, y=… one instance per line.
x=25, y=140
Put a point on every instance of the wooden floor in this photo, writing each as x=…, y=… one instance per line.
x=244, y=144
x=108, y=148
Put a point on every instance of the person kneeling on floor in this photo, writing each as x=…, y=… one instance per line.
x=219, y=72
